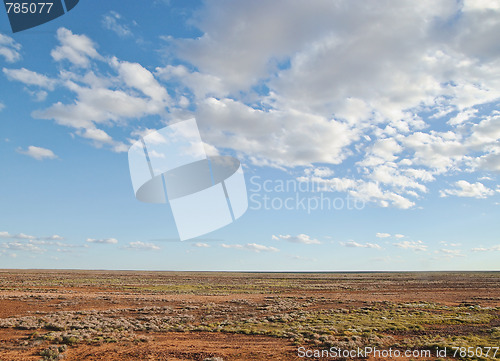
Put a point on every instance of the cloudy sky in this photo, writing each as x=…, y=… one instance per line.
x=369, y=132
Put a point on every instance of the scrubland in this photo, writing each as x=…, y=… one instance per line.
x=92, y=315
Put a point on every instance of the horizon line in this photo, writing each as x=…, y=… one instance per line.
x=246, y=271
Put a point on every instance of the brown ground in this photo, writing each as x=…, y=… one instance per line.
x=208, y=298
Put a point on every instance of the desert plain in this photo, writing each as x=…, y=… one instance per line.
x=174, y=316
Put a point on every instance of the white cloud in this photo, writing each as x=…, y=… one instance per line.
x=102, y=241
x=399, y=235
x=334, y=184
x=487, y=131
x=139, y=245
x=236, y=246
x=36, y=244
x=373, y=192
x=227, y=123
x=412, y=245
x=382, y=151
x=383, y=235
x=466, y=189
x=446, y=244
x=29, y=77
x=450, y=253
x=111, y=21
x=202, y=85
x=314, y=62
x=436, y=151
x=96, y=105
x=102, y=100
x=254, y=247
x=485, y=178
x=368, y=191
x=486, y=249
x=301, y=238
x=16, y=236
x=39, y=96
x=78, y=49
x=9, y=49
x=260, y=248
x=55, y=237
x=23, y=236
x=38, y=153
x=353, y=244
x=201, y=245
x=22, y=246
x=154, y=137
x=481, y=5
x=98, y=135
x=336, y=86
x=320, y=172
x=137, y=77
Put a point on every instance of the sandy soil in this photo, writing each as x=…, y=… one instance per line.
x=35, y=293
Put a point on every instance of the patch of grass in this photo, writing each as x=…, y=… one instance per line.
x=53, y=353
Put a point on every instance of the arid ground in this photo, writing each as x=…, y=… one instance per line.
x=104, y=315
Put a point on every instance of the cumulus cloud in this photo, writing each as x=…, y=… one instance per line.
x=102, y=241
x=320, y=172
x=78, y=49
x=137, y=77
x=38, y=153
x=353, y=244
x=254, y=247
x=486, y=249
x=412, y=245
x=227, y=123
x=446, y=244
x=154, y=137
x=376, y=103
x=16, y=236
x=450, y=253
x=144, y=246
x=126, y=91
x=29, y=77
x=35, y=244
x=22, y=246
x=201, y=245
x=112, y=21
x=301, y=238
x=9, y=49
x=313, y=86
x=23, y=236
x=383, y=235
x=466, y=189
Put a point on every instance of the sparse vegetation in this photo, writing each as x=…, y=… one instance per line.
x=68, y=310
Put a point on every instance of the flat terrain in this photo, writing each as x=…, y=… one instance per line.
x=103, y=315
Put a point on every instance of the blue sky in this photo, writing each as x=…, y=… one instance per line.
x=392, y=108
